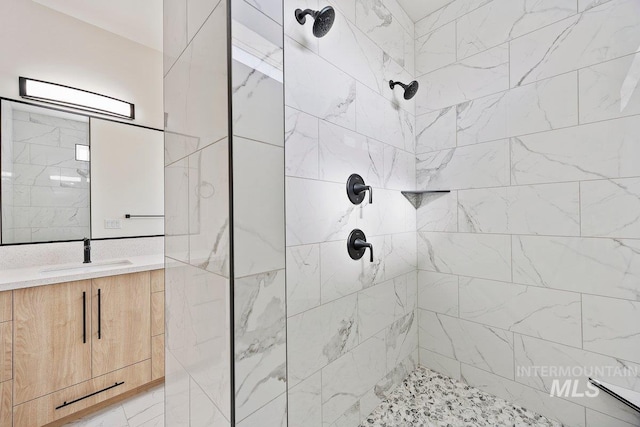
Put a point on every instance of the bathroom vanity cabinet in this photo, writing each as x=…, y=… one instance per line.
x=79, y=344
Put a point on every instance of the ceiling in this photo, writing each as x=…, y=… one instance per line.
x=137, y=20
x=418, y=9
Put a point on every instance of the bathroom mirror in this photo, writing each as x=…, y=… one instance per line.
x=69, y=172
x=66, y=176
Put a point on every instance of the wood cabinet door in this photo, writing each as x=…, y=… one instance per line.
x=121, y=326
x=52, y=347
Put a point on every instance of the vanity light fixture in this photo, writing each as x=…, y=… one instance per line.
x=66, y=96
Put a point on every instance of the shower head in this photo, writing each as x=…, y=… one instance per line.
x=410, y=90
x=323, y=19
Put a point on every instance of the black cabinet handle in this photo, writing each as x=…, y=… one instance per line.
x=84, y=317
x=65, y=403
x=99, y=315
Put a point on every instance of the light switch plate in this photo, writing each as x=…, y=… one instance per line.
x=112, y=224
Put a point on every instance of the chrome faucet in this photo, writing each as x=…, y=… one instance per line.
x=87, y=250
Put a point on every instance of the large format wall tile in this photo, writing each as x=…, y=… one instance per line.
x=347, y=47
x=600, y=150
x=347, y=379
x=436, y=49
x=544, y=105
x=342, y=276
x=273, y=414
x=317, y=212
x=438, y=212
x=610, y=208
x=595, y=266
x=610, y=90
x=599, y=34
x=381, y=305
x=305, y=403
x=378, y=118
x=446, y=14
x=174, y=31
x=438, y=292
x=254, y=97
x=476, y=255
x=176, y=210
x=436, y=131
x=502, y=20
x=608, y=329
x=377, y=22
x=537, y=209
x=209, y=208
x=481, y=165
x=202, y=411
x=260, y=340
x=574, y=364
x=201, y=347
x=482, y=346
x=319, y=336
x=566, y=412
x=439, y=363
x=195, y=94
x=303, y=278
x=301, y=144
x=544, y=313
x=588, y=4
x=473, y=77
x=318, y=88
x=597, y=419
x=258, y=182
x=344, y=152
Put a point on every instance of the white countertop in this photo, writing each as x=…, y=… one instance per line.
x=19, y=278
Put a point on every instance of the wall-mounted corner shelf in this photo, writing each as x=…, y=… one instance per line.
x=417, y=198
x=628, y=397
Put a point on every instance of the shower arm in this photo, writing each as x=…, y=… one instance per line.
x=393, y=84
x=301, y=15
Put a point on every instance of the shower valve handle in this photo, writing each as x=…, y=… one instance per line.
x=362, y=244
x=357, y=245
x=359, y=188
x=356, y=189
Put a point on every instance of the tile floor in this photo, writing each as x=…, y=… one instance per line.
x=143, y=410
x=429, y=399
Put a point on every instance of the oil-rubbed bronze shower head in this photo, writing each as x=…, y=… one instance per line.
x=410, y=90
x=323, y=19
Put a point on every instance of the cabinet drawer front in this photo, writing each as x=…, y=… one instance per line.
x=43, y=410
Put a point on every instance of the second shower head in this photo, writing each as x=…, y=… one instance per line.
x=323, y=19
x=410, y=90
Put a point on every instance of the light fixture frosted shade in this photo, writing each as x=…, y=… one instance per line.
x=75, y=98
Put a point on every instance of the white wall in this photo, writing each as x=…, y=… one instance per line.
x=342, y=118
x=127, y=177
x=529, y=113
x=40, y=43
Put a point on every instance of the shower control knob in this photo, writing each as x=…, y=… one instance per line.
x=357, y=245
x=356, y=189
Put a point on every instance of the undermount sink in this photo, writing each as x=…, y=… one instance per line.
x=88, y=267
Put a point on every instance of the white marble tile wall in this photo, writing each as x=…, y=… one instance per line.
x=530, y=113
x=351, y=325
x=197, y=269
x=45, y=190
x=259, y=213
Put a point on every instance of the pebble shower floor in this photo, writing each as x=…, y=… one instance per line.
x=428, y=399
